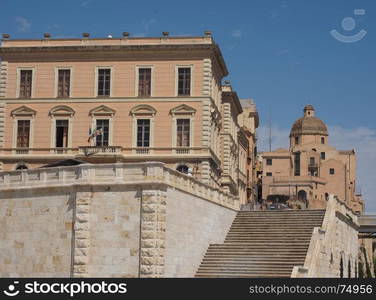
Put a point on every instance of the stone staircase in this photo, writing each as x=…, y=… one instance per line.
x=262, y=244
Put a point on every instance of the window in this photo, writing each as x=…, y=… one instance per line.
x=26, y=83
x=143, y=133
x=297, y=164
x=183, y=132
x=269, y=174
x=102, y=133
x=311, y=161
x=322, y=140
x=144, y=82
x=182, y=169
x=23, y=133
x=269, y=161
x=63, y=87
x=184, y=81
x=322, y=155
x=296, y=140
x=61, y=135
x=104, y=82
x=331, y=171
x=21, y=167
x=302, y=195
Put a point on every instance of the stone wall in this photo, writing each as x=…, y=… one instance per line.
x=333, y=248
x=192, y=224
x=36, y=233
x=109, y=220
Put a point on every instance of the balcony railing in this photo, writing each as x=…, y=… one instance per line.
x=90, y=150
x=22, y=150
x=112, y=150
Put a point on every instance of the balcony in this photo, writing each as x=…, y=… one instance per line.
x=91, y=150
x=22, y=150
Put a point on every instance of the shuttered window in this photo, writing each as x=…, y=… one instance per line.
x=144, y=82
x=183, y=132
x=63, y=84
x=26, y=83
x=104, y=82
x=62, y=133
x=184, y=81
x=23, y=133
x=143, y=133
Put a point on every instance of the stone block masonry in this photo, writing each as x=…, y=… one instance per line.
x=110, y=220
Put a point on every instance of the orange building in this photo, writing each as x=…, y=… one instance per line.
x=307, y=173
x=122, y=100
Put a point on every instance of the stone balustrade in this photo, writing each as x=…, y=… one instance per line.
x=333, y=246
x=118, y=173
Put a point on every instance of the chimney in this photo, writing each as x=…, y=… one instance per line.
x=47, y=35
x=86, y=35
x=165, y=33
x=208, y=33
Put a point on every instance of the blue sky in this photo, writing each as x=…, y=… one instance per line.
x=280, y=53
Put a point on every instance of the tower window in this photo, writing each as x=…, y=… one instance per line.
x=297, y=164
x=296, y=140
x=322, y=140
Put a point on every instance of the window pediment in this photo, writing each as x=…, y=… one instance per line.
x=183, y=109
x=23, y=111
x=102, y=110
x=143, y=109
x=62, y=110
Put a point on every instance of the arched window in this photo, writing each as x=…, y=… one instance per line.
x=302, y=195
x=21, y=167
x=182, y=169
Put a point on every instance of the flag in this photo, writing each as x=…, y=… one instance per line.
x=93, y=133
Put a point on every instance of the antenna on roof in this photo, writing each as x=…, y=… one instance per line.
x=270, y=130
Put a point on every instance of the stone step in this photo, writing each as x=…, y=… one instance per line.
x=247, y=265
x=255, y=273
x=252, y=260
x=282, y=212
x=262, y=244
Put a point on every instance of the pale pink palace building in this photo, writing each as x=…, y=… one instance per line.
x=126, y=100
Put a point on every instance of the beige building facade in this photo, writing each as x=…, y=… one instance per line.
x=122, y=100
x=310, y=170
